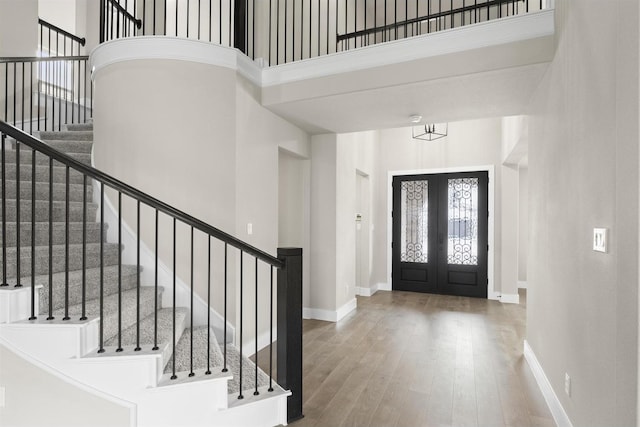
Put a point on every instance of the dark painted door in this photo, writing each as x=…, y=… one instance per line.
x=440, y=232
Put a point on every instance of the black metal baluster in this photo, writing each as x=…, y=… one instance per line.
x=165, y=17
x=191, y=373
x=256, y=392
x=271, y=332
x=22, y=100
x=101, y=350
x=137, y=277
x=210, y=20
x=66, y=246
x=50, y=317
x=84, y=248
x=176, y=18
x=188, y=12
x=4, y=214
x=208, y=372
x=277, y=32
x=6, y=90
x=319, y=30
x=253, y=30
x=285, y=30
x=173, y=324
x=119, y=349
x=301, y=28
x=240, y=396
x=384, y=32
x=33, y=235
x=18, y=251
x=328, y=12
x=155, y=293
x=154, y=16
x=30, y=98
x=224, y=367
x=270, y=35
x=15, y=83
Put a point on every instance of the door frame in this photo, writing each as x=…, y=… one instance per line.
x=491, y=293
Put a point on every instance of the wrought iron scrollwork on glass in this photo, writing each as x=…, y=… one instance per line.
x=414, y=196
x=463, y=221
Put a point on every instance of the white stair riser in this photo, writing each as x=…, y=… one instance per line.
x=15, y=303
x=52, y=342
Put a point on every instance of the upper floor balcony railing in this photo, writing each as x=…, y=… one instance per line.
x=282, y=31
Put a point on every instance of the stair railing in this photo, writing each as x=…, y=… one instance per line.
x=117, y=21
x=31, y=153
x=40, y=94
x=54, y=41
x=224, y=22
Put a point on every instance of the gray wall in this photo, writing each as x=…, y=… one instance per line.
x=582, y=315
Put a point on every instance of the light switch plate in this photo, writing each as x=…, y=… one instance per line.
x=600, y=243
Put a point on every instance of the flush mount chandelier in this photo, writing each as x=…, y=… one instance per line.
x=429, y=131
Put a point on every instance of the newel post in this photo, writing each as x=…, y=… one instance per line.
x=289, y=359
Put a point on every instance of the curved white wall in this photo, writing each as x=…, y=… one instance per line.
x=188, y=130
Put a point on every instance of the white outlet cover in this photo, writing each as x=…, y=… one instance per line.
x=600, y=243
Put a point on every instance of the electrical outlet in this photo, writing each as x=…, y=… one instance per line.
x=567, y=384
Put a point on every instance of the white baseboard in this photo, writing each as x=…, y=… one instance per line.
x=510, y=298
x=383, y=286
x=522, y=284
x=329, y=315
x=264, y=339
x=367, y=292
x=559, y=415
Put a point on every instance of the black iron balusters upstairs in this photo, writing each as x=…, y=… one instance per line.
x=56, y=214
x=42, y=94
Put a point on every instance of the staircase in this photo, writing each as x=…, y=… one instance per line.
x=175, y=374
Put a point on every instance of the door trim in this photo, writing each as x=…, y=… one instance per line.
x=491, y=293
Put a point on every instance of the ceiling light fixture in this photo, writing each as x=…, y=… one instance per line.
x=428, y=132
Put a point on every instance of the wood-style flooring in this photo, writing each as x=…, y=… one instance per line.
x=409, y=359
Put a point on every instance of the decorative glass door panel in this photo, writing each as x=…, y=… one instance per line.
x=414, y=217
x=440, y=233
x=462, y=248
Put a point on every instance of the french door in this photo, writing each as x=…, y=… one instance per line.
x=440, y=232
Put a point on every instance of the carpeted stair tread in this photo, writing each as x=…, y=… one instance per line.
x=183, y=351
x=92, y=289
x=110, y=257
x=74, y=135
x=75, y=127
x=42, y=210
x=70, y=145
x=41, y=159
x=128, y=309
x=216, y=362
x=165, y=330
x=42, y=173
x=76, y=191
x=42, y=233
x=248, y=372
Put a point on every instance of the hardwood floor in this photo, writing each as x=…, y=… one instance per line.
x=408, y=359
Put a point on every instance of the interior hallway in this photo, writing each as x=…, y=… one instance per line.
x=409, y=359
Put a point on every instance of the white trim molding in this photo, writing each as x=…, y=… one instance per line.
x=330, y=315
x=366, y=292
x=522, y=284
x=509, y=298
x=559, y=415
